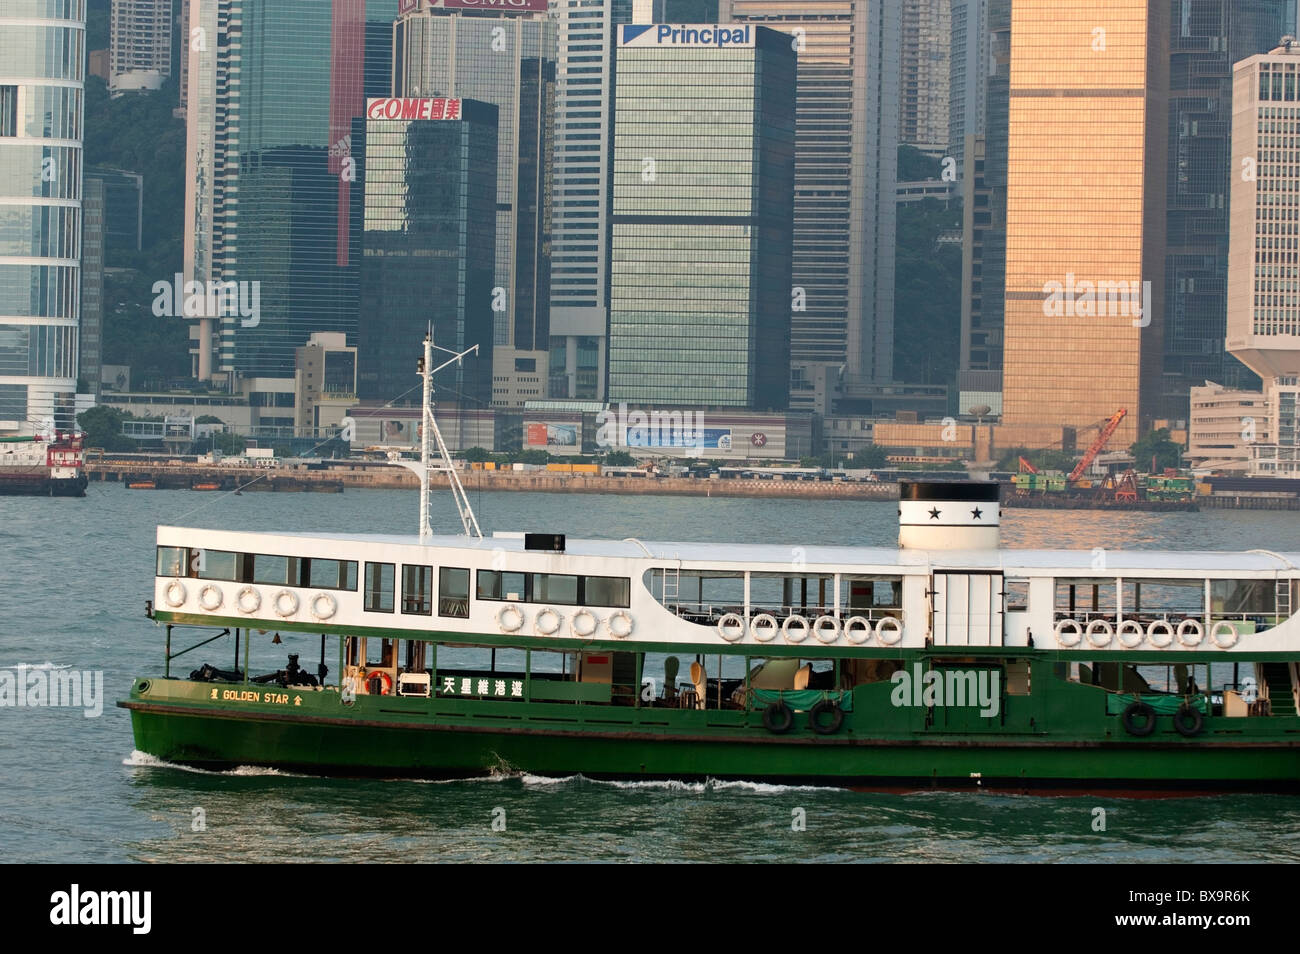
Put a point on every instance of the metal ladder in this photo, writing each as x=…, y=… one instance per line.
x=1283, y=600
x=672, y=587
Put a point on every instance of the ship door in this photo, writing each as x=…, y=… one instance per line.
x=965, y=608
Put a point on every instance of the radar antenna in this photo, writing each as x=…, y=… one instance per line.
x=429, y=434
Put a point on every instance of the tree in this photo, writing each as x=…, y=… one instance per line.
x=476, y=455
x=533, y=456
x=871, y=457
x=103, y=428
x=619, y=459
x=1156, y=443
x=228, y=443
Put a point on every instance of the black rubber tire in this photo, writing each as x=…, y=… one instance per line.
x=778, y=718
x=1189, y=721
x=1136, y=711
x=816, y=712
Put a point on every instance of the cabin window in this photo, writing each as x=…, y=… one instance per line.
x=1017, y=592
x=606, y=591
x=496, y=585
x=379, y=652
x=214, y=564
x=554, y=588
x=379, y=587
x=1237, y=597
x=270, y=569
x=329, y=574
x=172, y=561
x=453, y=591
x=417, y=590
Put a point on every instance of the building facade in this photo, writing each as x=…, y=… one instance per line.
x=969, y=66
x=1085, y=226
x=702, y=217
x=140, y=45
x=1222, y=426
x=42, y=85
x=924, y=63
x=846, y=167
x=428, y=244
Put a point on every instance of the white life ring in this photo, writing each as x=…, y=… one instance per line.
x=624, y=631
x=209, y=604
x=1165, y=631
x=1100, y=626
x=547, y=621
x=1192, y=628
x=331, y=606
x=278, y=603
x=584, y=630
x=864, y=625
x=895, y=628
x=1130, y=627
x=1222, y=627
x=764, y=627
x=792, y=623
x=818, y=629
x=731, y=627
x=242, y=603
x=510, y=618
x=1075, y=634
x=170, y=595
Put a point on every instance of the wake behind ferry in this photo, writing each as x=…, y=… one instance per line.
x=947, y=662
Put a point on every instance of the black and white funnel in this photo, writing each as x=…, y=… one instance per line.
x=948, y=515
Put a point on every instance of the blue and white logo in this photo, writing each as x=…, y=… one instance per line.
x=668, y=34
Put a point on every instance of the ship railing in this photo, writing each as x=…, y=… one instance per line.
x=1261, y=621
x=710, y=613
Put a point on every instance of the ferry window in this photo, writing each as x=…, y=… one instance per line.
x=214, y=564
x=172, y=561
x=379, y=652
x=1017, y=592
x=453, y=591
x=554, y=588
x=495, y=585
x=330, y=574
x=417, y=590
x=1242, y=596
x=606, y=591
x=379, y=587
x=270, y=569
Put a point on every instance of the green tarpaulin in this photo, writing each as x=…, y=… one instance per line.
x=1116, y=703
x=802, y=699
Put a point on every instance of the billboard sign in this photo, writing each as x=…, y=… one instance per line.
x=669, y=34
x=703, y=438
x=406, y=108
x=497, y=6
x=547, y=434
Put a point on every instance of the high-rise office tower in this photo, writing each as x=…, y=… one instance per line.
x=702, y=216
x=273, y=88
x=428, y=243
x=504, y=56
x=139, y=44
x=1085, y=220
x=924, y=81
x=846, y=165
x=581, y=177
x=970, y=63
x=112, y=224
x=1206, y=40
x=42, y=84
x=1264, y=244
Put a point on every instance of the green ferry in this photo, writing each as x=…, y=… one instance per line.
x=947, y=662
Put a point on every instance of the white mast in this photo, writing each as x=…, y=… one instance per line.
x=430, y=427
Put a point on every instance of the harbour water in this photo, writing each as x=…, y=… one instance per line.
x=76, y=574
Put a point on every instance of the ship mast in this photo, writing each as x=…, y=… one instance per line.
x=430, y=430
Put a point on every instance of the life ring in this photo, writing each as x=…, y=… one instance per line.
x=1104, y=628
x=764, y=627
x=778, y=718
x=1130, y=627
x=1188, y=720
x=331, y=606
x=1136, y=711
x=731, y=627
x=795, y=622
x=278, y=603
x=623, y=632
x=819, y=709
x=865, y=629
x=895, y=628
x=385, y=678
x=818, y=629
x=510, y=618
x=584, y=630
x=547, y=621
x=1076, y=631
x=170, y=596
x=1165, y=631
x=1223, y=627
x=242, y=603
x=211, y=605
x=1193, y=628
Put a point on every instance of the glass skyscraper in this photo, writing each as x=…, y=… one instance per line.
x=428, y=244
x=42, y=82
x=702, y=217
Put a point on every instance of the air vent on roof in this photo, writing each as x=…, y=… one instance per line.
x=551, y=542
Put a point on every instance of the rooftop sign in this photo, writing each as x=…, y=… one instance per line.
x=404, y=108
x=668, y=34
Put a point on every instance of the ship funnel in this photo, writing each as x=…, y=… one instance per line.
x=948, y=515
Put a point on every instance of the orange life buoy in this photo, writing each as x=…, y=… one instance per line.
x=384, y=677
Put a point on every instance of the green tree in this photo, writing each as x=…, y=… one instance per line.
x=1156, y=444
x=103, y=428
x=475, y=455
x=872, y=456
x=533, y=456
x=619, y=458
x=229, y=443
x=915, y=166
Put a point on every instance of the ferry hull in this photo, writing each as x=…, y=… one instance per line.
x=41, y=485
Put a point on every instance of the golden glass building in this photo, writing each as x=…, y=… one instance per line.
x=1085, y=218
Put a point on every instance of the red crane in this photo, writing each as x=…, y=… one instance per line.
x=1096, y=447
x=1026, y=467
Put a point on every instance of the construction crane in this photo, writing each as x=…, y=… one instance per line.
x=1108, y=429
x=1026, y=467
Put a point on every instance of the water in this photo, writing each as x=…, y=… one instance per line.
x=76, y=574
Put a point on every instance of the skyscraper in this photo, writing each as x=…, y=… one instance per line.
x=702, y=217
x=139, y=45
x=112, y=222
x=1085, y=218
x=924, y=81
x=505, y=57
x=969, y=65
x=42, y=83
x=846, y=163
